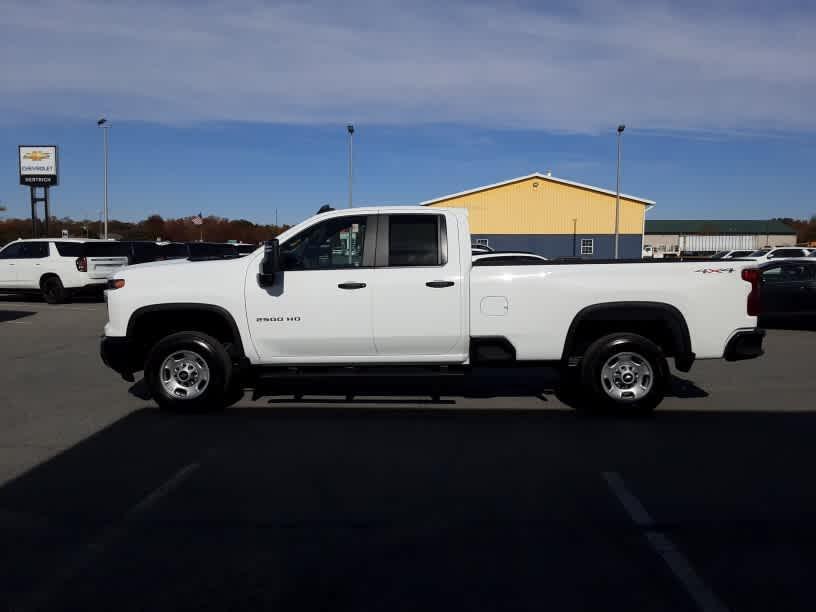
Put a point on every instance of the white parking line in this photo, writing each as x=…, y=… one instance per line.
x=704, y=597
x=97, y=547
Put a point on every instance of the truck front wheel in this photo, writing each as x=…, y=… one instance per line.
x=189, y=371
x=625, y=373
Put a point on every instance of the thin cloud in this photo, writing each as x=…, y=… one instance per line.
x=655, y=66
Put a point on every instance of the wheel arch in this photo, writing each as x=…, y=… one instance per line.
x=662, y=323
x=149, y=323
x=46, y=275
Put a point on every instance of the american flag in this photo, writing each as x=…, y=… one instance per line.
x=198, y=219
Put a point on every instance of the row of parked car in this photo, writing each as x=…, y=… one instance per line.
x=60, y=268
x=788, y=281
x=767, y=254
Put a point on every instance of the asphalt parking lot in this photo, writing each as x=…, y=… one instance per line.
x=499, y=498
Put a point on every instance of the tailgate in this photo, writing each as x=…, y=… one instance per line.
x=101, y=268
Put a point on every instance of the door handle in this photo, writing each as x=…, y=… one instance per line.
x=439, y=284
x=352, y=285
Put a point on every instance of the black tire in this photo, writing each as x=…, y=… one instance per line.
x=594, y=386
x=53, y=292
x=218, y=392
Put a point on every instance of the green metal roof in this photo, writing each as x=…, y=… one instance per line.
x=713, y=226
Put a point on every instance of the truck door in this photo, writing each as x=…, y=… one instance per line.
x=320, y=304
x=802, y=285
x=775, y=293
x=784, y=288
x=419, y=287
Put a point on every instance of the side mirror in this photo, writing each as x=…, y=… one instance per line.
x=270, y=264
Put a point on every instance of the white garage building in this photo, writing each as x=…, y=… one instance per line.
x=703, y=237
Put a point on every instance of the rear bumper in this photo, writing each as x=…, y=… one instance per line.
x=745, y=345
x=117, y=353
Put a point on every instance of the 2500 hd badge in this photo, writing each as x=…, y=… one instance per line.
x=293, y=319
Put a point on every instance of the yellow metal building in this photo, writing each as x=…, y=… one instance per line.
x=551, y=216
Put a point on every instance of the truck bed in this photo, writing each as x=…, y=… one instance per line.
x=534, y=305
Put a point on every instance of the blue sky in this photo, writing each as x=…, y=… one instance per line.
x=238, y=111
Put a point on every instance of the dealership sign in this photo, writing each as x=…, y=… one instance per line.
x=38, y=165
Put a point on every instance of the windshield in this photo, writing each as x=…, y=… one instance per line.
x=760, y=253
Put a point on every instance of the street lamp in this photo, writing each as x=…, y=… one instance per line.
x=103, y=123
x=621, y=127
x=350, y=129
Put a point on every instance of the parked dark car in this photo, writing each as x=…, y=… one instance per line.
x=788, y=288
x=143, y=251
x=245, y=248
x=211, y=250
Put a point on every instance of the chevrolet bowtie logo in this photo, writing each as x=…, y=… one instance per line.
x=36, y=156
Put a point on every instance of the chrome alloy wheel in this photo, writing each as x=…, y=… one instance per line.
x=627, y=377
x=184, y=375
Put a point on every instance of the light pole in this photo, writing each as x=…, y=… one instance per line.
x=103, y=123
x=350, y=129
x=621, y=127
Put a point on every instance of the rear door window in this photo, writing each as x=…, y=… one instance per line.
x=773, y=275
x=107, y=249
x=797, y=272
x=415, y=240
x=70, y=249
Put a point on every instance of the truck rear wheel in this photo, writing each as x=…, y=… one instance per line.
x=189, y=371
x=624, y=373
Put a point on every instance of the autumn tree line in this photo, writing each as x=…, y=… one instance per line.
x=805, y=229
x=217, y=229
x=155, y=227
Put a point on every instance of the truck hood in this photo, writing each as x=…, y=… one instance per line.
x=180, y=268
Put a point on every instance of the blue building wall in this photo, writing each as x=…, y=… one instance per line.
x=561, y=245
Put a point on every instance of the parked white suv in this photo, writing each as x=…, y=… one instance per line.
x=58, y=267
x=778, y=253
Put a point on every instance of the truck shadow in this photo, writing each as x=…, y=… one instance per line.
x=13, y=315
x=336, y=508
x=485, y=383
x=35, y=298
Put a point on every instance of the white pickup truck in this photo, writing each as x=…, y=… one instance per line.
x=365, y=289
